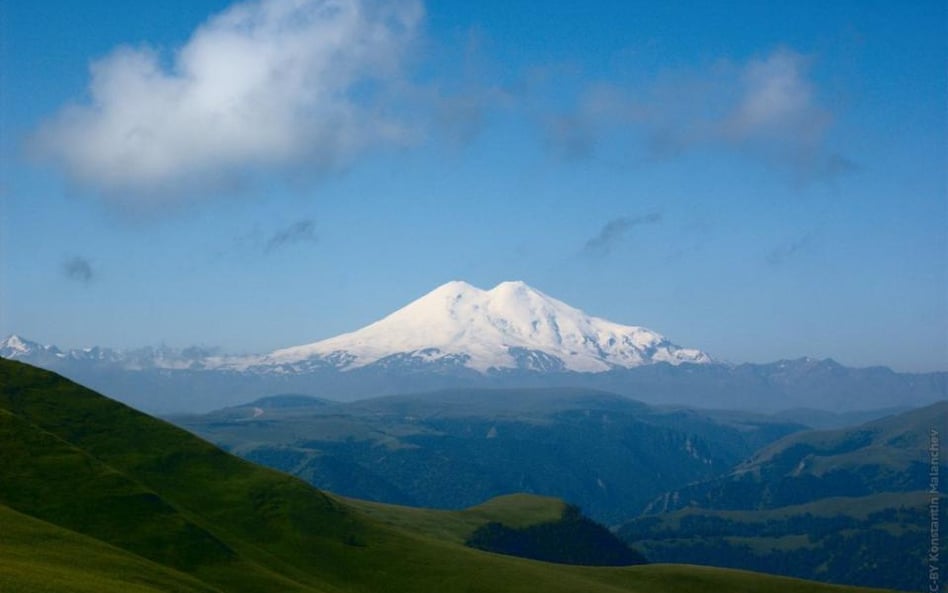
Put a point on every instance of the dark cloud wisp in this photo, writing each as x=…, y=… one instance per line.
x=615, y=230
x=780, y=254
x=303, y=231
x=78, y=269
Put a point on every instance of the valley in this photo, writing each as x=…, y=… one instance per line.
x=452, y=449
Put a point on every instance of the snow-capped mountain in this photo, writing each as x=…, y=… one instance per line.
x=460, y=336
x=15, y=347
x=511, y=326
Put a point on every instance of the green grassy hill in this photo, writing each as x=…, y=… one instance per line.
x=98, y=497
x=36, y=556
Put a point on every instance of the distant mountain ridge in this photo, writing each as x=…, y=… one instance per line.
x=459, y=336
x=15, y=347
x=511, y=326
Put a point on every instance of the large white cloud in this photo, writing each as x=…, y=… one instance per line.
x=264, y=84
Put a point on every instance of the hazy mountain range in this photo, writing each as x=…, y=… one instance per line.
x=461, y=336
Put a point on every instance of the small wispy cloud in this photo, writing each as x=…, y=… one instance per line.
x=264, y=85
x=462, y=116
x=303, y=231
x=601, y=108
x=78, y=269
x=776, y=97
x=572, y=137
x=783, y=252
x=460, y=104
x=614, y=231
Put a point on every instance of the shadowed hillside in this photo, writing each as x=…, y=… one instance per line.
x=845, y=506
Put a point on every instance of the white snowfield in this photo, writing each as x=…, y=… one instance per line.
x=493, y=329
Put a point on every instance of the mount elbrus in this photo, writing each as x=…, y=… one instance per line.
x=461, y=336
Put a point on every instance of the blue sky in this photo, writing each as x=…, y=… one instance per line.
x=758, y=181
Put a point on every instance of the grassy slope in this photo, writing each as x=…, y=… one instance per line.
x=38, y=557
x=514, y=510
x=162, y=502
x=893, y=442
